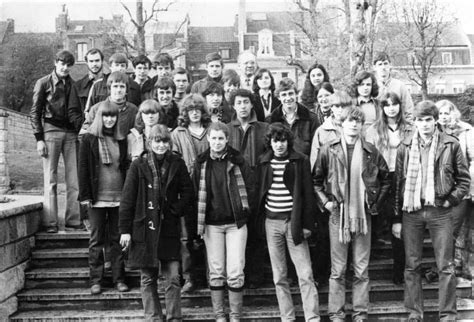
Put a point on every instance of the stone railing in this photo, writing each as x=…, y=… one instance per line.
x=19, y=221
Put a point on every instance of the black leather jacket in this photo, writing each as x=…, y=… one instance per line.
x=451, y=179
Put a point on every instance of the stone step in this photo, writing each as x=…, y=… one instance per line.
x=76, y=298
x=379, y=311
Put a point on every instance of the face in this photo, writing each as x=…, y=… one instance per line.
x=165, y=96
x=351, y=128
x=163, y=70
x=213, y=100
x=195, y=115
x=229, y=88
x=94, y=63
x=391, y=110
x=109, y=121
x=118, y=90
x=160, y=147
x=288, y=100
x=118, y=67
x=382, y=69
x=141, y=71
x=248, y=65
x=214, y=69
x=336, y=108
x=323, y=98
x=62, y=69
x=444, y=115
x=243, y=107
x=150, y=119
x=425, y=125
x=316, y=76
x=280, y=148
x=217, y=141
x=265, y=81
x=365, y=87
x=181, y=82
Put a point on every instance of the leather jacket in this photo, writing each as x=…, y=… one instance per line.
x=451, y=178
x=330, y=175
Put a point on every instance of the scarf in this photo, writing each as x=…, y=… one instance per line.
x=353, y=217
x=104, y=149
x=202, y=195
x=156, y=173
x=412, y=194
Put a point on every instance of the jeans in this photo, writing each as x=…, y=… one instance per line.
x=225, y=246
x=57, y=143
x=278, y=237
x=102, y=219
x=149, y=290
x=187, y=265
x=461, y=227
x=439, y=223
x=360, y=262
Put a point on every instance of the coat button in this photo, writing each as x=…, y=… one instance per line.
x=150, y=186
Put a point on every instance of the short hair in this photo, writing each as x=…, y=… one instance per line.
x=117, y=77
x=191, y=102
x=258, y=75
x=213, y=88
x=165, y=83
x=326, y=86
x=343, y=97
x=230, y=75
x=214, y=56
x=278, y=132
x=359, y=77
x=242, y=93
x=141, y=59
x=286, y=84
x=148, y=106
x=353, y=113
x=426, y=108
x=66, y=57
x=182, y=71
x=246, y=53
x=118, y=58
x=159, y=132
x=94, y=51
x=381, y=56
x=218, y=126
x=163, y=59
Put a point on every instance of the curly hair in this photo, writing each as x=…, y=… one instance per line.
x=279, y=132
x=361, y=76
x=308, y=94
x=190, y=102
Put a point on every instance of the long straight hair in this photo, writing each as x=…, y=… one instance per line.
x=106, y=108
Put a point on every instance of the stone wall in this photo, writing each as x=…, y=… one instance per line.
x=20, y=133
x=19, y=221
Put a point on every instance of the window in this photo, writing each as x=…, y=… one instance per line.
x=284, y=74
x=459, y=86
x=447, y=58
x=225, y=53
x=81, y=51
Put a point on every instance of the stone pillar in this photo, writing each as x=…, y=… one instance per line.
x=4, y=175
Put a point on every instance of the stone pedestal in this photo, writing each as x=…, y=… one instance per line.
x=4, y=175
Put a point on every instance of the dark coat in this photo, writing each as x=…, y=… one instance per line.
x=297, y=179
x=143, y=92
x=78, y=99
x=89, y=164
x=258, y=106
x=330, y=175
x=303, y=128
x=451, y=178
x=154, y=226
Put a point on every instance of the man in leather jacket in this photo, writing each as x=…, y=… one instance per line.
x=431, y=177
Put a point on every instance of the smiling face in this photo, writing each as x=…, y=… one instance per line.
x=265, y=81
x=323, y=98
x=336, y=107
x=365, y=87
x=217, y=141
x=160, y=147
x=248, y=64
x=165, y=96
x=109, y=121
x=288, y=100
x=316, y=76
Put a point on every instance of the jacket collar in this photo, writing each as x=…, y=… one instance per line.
x=268, y=156
x=278, y=116
x=56, y=79
x=329, y=124
x=253, y=118
x=232, y=155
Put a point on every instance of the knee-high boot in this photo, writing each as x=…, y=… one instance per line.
x=235, y=303
x=217, y=297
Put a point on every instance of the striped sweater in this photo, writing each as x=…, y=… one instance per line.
x=279, y=202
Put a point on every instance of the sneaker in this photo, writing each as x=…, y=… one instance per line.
x=79, y=227
x=52, y=230
x=188, y=287
x=96, y=289
x=121, y=287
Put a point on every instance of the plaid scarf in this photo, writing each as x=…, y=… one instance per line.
x=156, y=180
x=353, y=217
x=412, y=194
x=202, y=195
x=104, y=151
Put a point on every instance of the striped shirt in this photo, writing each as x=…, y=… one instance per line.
x=279, y=202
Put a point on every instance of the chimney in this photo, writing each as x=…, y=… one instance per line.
x=11, y=26
x=242, y=24
x=62, y=20
x=117, y=19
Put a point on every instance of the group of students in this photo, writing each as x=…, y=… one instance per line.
x=242, y=169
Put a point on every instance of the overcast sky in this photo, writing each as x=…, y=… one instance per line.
x=39, y=15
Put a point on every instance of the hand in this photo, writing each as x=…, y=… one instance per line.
x=42, y=149
x=446, y=204
x=87, y=203
x=397, y=230
x=306, y=233
x=125, y=241
x=329, y=206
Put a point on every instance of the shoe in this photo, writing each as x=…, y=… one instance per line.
x=96, y=289
x=52, y=230
x=108, y=266
x=79, y=227
x=188, y=287
x=87, y=224
x=121, y=287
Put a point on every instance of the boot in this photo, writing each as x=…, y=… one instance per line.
x=217, y=297
x=235, y=303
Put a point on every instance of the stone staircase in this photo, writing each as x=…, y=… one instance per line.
x=57, y=289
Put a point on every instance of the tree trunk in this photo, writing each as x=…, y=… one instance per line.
x=141, y=48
